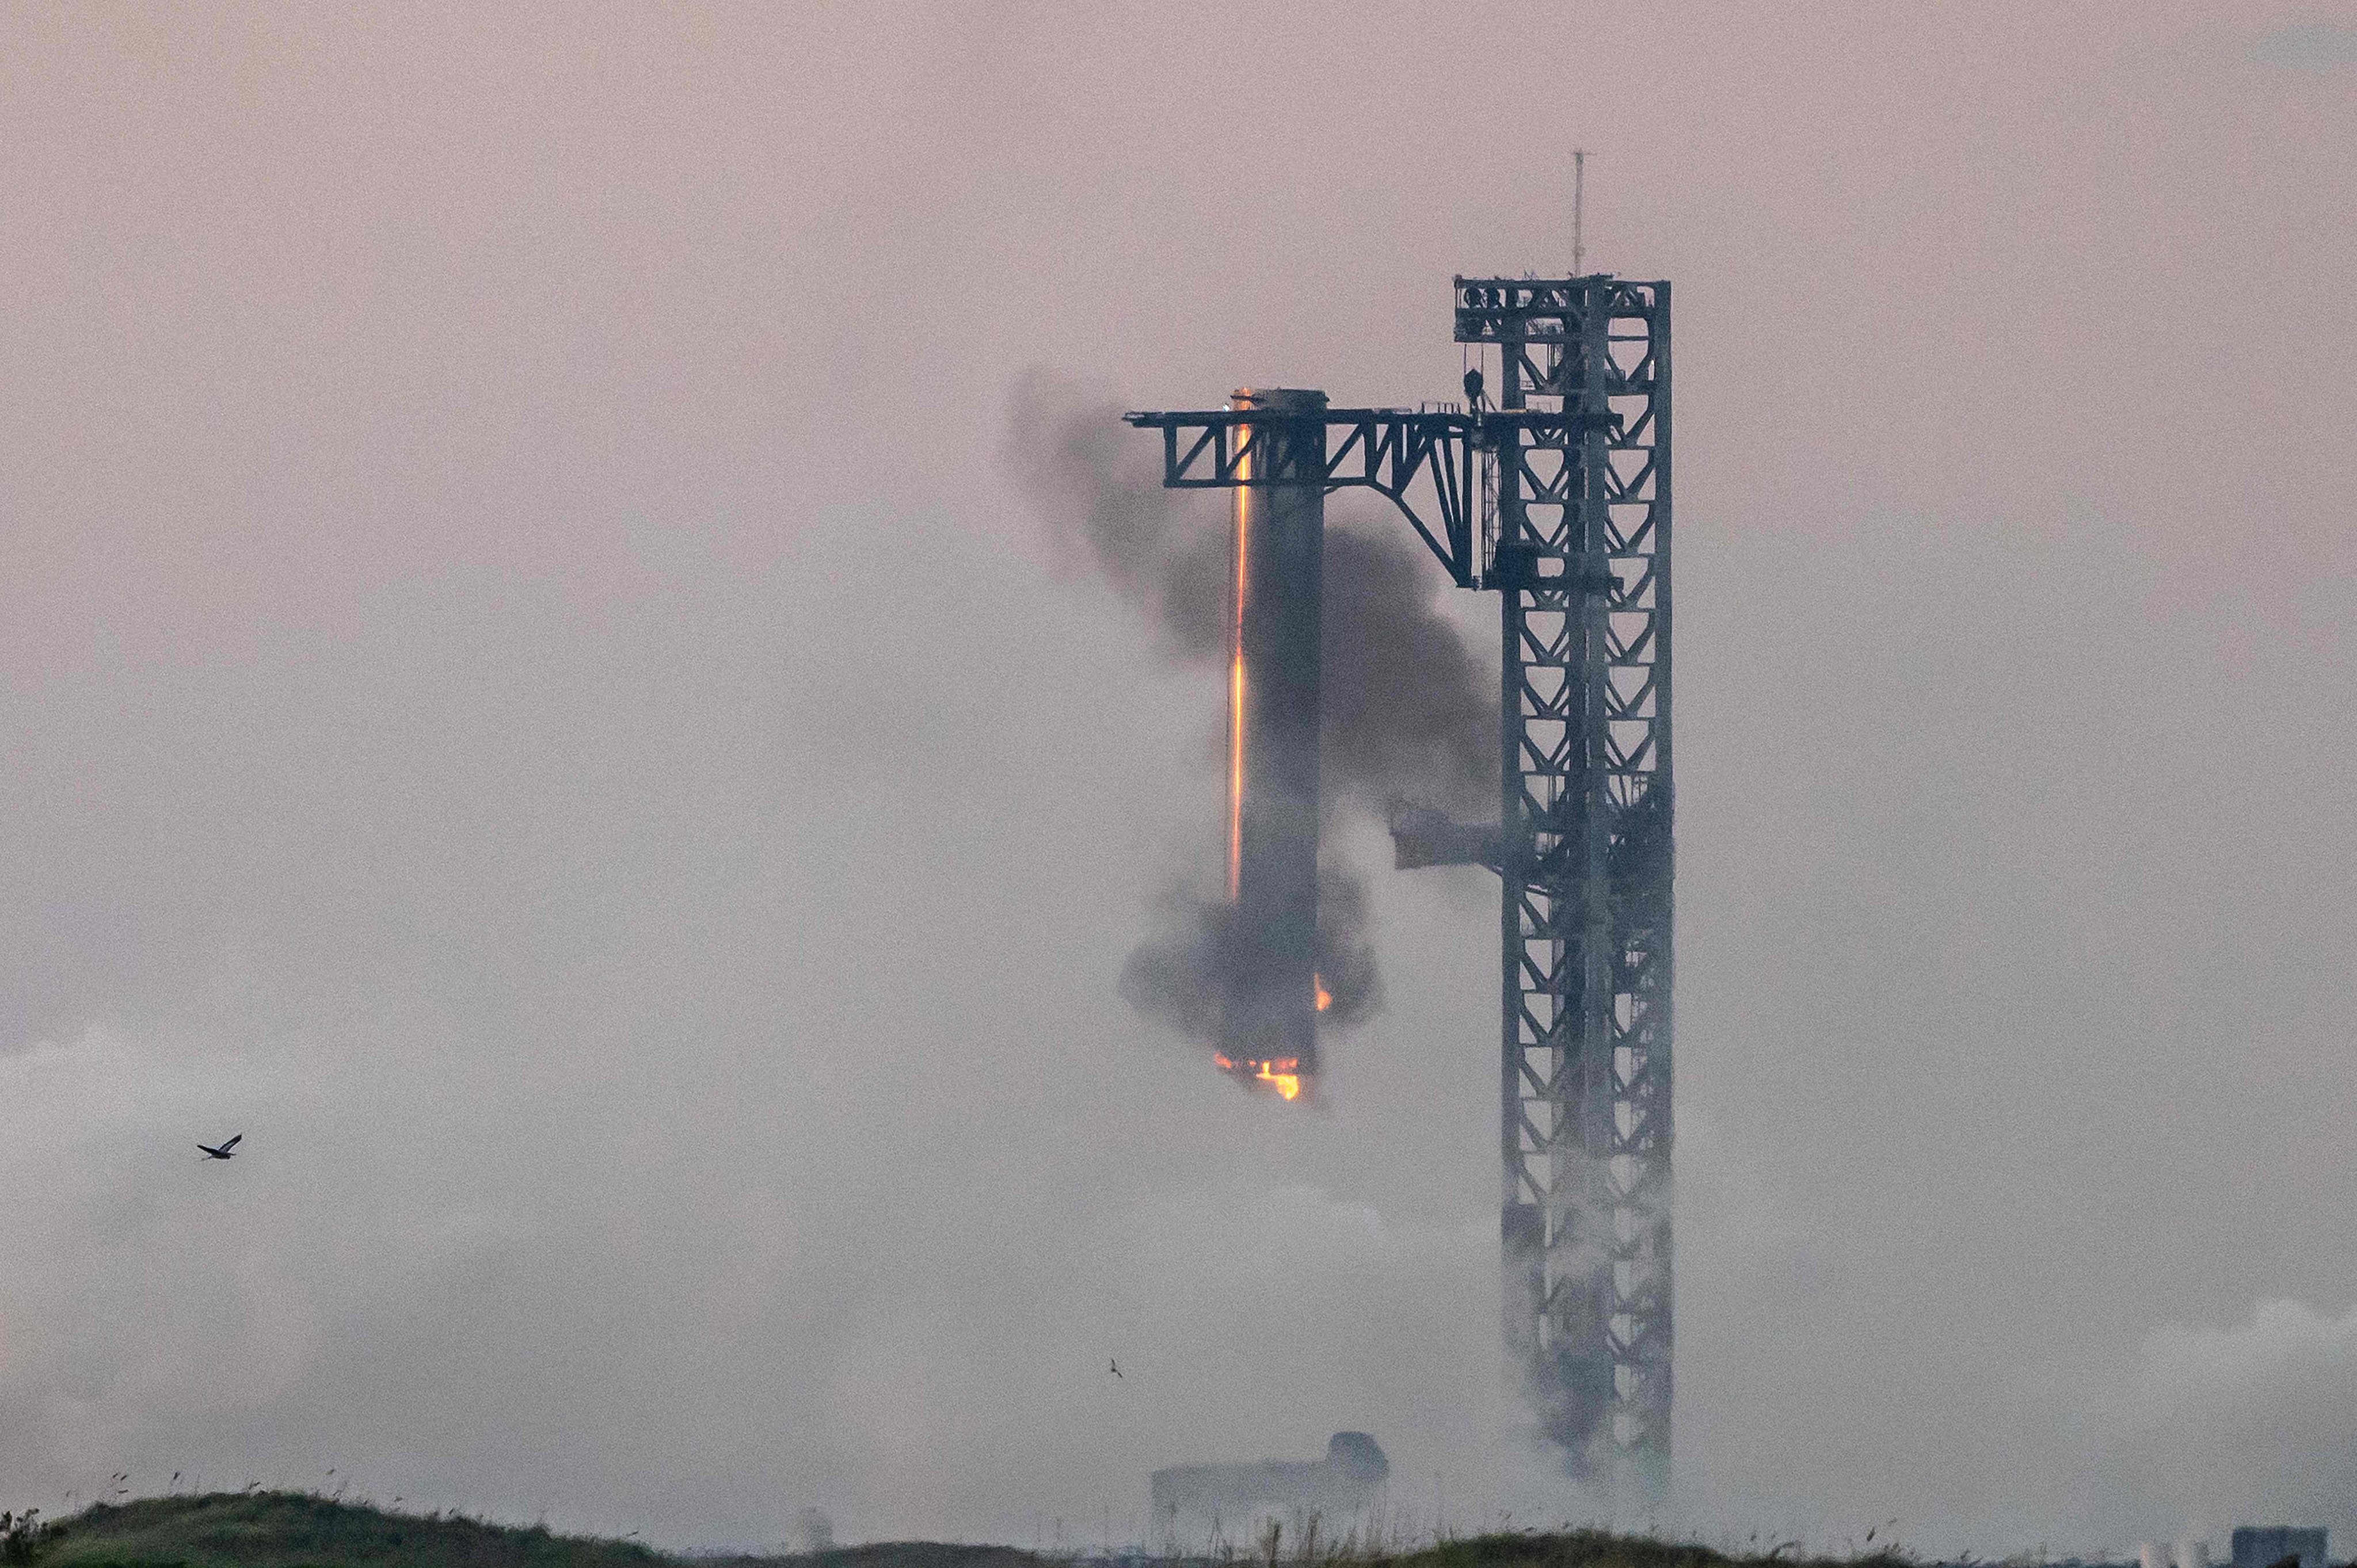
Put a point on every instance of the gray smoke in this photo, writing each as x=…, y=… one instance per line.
x=1408, y=713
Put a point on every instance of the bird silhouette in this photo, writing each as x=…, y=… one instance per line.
x=1115, y=1368
x=226, y=1152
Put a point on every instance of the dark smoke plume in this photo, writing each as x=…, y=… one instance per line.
x=1407, y=712
x=1189, y=962
x=1096, y=485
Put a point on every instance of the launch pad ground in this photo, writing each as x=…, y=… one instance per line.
x=288, y=1529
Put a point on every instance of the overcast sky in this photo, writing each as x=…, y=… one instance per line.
x=529, y=688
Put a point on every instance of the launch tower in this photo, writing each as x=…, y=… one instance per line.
x=1569, y=522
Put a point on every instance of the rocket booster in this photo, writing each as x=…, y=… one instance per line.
x=1269, y=1028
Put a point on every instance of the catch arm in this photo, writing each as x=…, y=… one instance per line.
x=1395, y=451
x=1390, y=451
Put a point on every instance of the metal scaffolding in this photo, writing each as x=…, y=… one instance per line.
x=1575, y=517
x=1558, y=497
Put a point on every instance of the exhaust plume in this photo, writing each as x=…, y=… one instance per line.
x=1200, y=953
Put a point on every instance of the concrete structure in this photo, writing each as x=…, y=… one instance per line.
x=1193, y=1502
x=2265, y=1545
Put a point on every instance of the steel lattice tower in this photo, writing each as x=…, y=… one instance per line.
x=1574, y=535
x=1576, y=513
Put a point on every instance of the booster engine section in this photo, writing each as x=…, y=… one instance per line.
x=1269, y=1017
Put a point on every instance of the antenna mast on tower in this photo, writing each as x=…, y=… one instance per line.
x=1579, y=201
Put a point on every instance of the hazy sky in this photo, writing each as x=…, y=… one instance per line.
x=527, y=687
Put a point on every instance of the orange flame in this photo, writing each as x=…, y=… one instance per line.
x=1325, y=997
x=1282, y=1074
x=1287, y=1083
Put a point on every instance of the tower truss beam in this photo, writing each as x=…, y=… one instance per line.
x=1388, y=450
x=1575, y=532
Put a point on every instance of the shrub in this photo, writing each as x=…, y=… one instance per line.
x=24, y=1538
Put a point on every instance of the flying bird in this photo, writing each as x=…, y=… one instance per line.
x=226, y=1152
x=1115, y=1368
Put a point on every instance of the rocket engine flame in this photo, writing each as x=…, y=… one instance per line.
x=1282, y=1074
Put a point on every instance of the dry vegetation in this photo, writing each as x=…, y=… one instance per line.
x=291, y=1529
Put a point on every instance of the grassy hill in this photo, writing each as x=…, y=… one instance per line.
x=290, y=1530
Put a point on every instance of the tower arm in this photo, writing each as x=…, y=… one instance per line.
x=1390, y=451
x=1421, y=836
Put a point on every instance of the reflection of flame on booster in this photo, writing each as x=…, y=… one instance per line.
x=1325, y=997
x=1237, y=714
